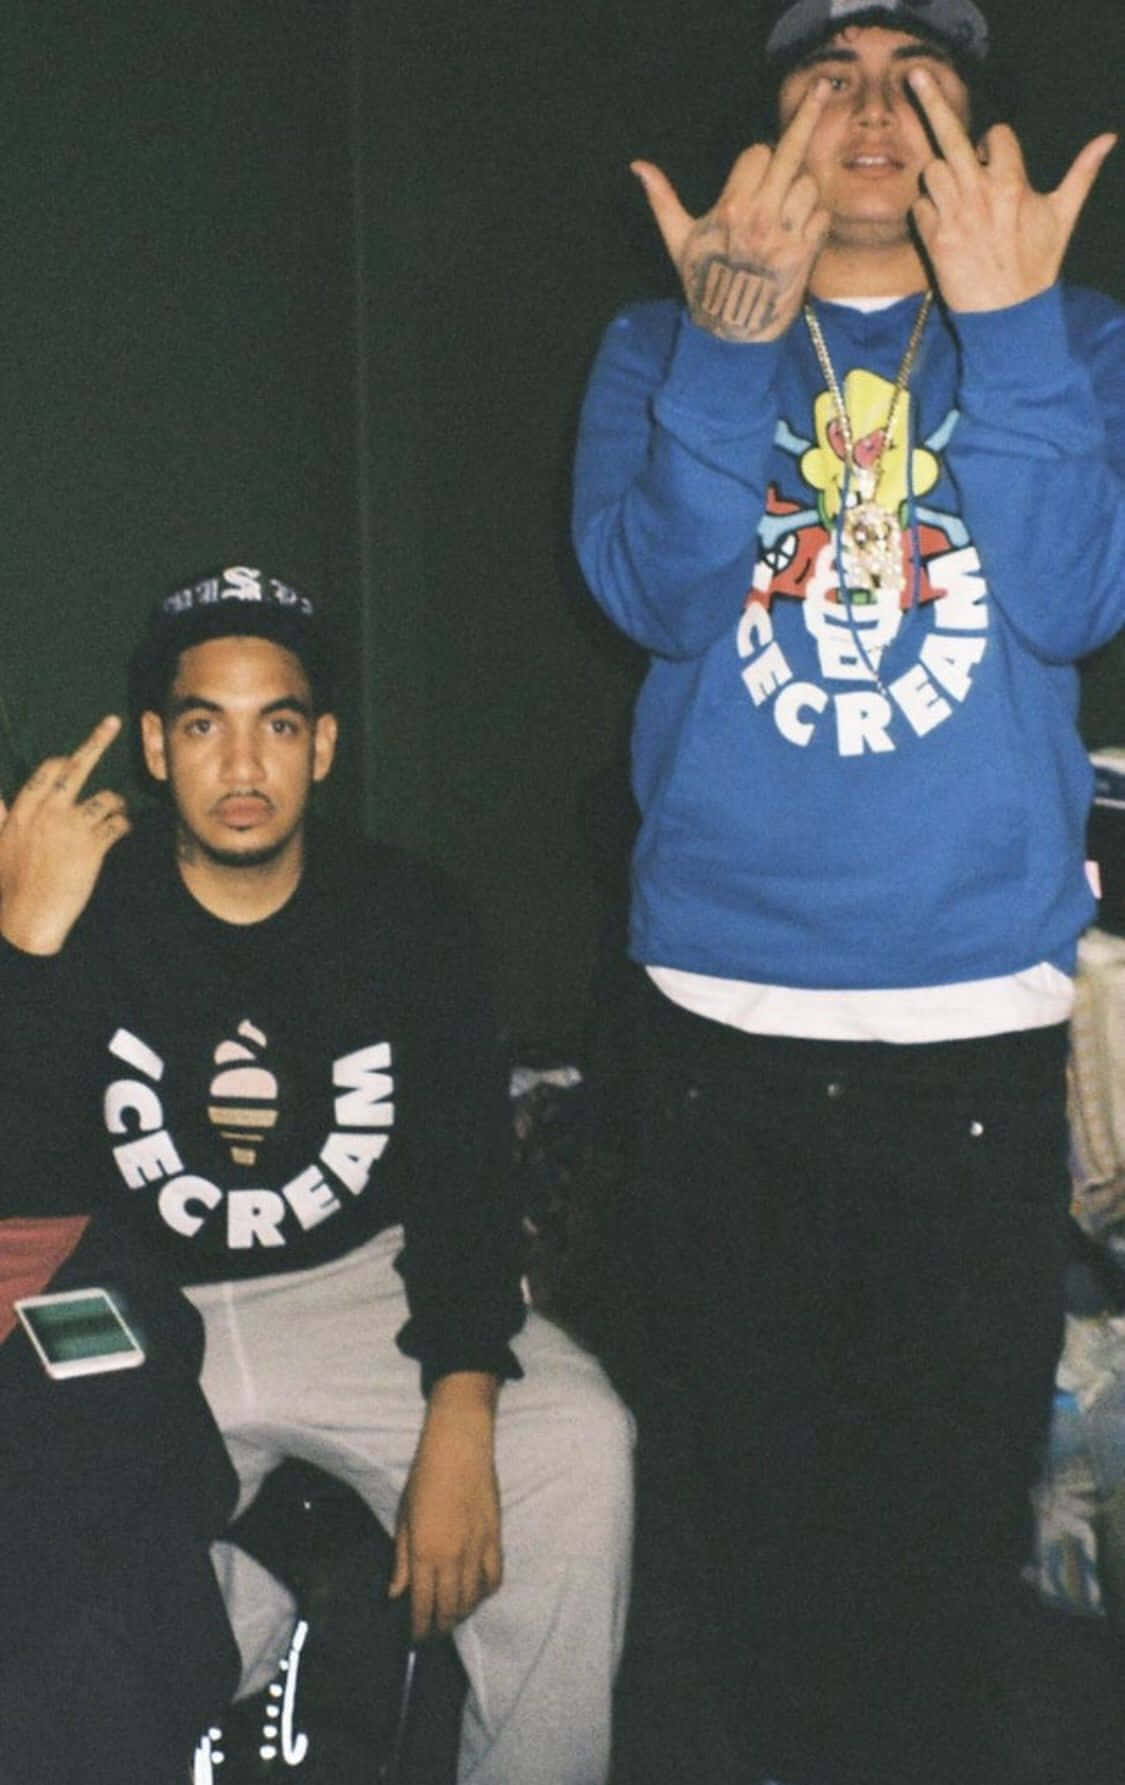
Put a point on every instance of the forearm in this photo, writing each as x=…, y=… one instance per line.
x=1037, y=455
x=463, y=1258
x=463, y=1287
x=670, y=478
x=462, y=1261
x=43, y=1042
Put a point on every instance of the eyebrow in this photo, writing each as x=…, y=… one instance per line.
x=906, y=52
x=198, y=703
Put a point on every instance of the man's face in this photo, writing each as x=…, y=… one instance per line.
x=240, y=749
x=870, y=144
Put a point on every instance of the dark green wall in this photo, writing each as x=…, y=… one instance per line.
x=175, y=322
x=317, y=284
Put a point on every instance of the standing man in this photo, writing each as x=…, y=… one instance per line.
x=860, y=497
x=275, y=1059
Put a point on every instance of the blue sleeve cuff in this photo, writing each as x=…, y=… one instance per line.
x=1026, y=344
x=1023, y=388
x=719, y=384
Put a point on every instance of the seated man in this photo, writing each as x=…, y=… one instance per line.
x=274, y=1052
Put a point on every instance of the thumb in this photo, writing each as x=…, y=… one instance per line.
x=673, y=222
x=1073, y=191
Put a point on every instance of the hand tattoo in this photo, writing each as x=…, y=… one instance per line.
x=737, y=301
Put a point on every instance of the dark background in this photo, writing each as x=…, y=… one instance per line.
x=316, y=286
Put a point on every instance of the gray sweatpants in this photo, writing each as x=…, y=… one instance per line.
x=304, y=1364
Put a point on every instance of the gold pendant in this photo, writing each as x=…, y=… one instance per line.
x=871, y=549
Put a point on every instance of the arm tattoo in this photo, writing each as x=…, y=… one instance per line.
x=735, y=300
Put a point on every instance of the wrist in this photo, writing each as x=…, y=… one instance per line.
x=984, y=300
x=465, y=1392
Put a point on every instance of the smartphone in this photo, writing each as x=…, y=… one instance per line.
x=79, y=1332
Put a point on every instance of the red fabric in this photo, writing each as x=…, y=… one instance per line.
x=31, y=1251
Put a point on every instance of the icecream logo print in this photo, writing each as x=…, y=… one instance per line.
x=244, y=1106
x=870, y=669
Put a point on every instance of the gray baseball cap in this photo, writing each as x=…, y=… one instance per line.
x=958, y=23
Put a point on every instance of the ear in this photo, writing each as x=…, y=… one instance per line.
x=152, y=743
x=325, y=734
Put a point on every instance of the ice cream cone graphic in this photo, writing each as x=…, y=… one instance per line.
x=243, y=1099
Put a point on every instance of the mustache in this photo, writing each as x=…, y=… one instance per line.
x=239, y=795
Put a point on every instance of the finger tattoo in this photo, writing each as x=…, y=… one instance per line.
x=734, y=298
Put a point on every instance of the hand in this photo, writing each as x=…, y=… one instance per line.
x=992, y=240
x=53, y=844
x=447, y=1537
x=745, y=264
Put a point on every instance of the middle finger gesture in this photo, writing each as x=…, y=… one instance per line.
x=745, y=264
x=53, y=841
x=992, y=240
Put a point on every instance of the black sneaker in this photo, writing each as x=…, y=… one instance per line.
x=260, y=1737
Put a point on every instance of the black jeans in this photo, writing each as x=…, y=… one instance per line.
x=116, y=1647
x=857, y=1255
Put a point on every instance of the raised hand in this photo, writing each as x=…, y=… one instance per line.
x=992, y=240
x=53, y=843
x=746, y=263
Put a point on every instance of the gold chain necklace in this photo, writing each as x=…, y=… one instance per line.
x=870, y=535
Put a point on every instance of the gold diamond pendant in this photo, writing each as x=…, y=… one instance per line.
x=871, y=548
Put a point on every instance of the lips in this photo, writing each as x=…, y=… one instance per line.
x=869, y=162
x=241, y=811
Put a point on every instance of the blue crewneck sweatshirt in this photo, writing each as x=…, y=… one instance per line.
x=859, y=793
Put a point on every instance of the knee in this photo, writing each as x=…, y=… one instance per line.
x=600, y=1430
x=606, y=1434
x=611, y=1443
x=580, y=1454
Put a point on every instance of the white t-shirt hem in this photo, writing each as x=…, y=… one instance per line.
x=1036, y=998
